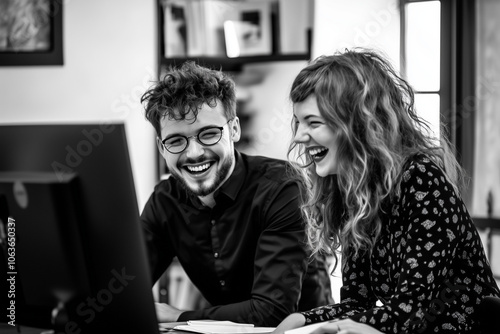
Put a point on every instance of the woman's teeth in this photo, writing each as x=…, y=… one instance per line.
x=315, y=151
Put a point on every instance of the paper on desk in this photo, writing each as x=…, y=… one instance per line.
x=216, y=323
x=222, y=327
x=306, y=329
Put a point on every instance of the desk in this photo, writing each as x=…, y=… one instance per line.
x=167, y=327
x=7, y=329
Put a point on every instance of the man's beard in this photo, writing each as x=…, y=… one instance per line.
x=202, y=189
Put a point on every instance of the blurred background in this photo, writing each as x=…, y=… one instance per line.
x=98, y=57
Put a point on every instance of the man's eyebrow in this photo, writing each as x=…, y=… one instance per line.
x=199, y=130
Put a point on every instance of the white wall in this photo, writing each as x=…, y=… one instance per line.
x=109, y=58
x=270, y=107
x=340, y=24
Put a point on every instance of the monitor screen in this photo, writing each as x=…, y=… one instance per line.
x=78, y=259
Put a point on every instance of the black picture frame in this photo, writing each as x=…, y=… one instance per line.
x=53, y=56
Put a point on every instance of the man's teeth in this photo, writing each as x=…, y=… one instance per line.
x=198, y=168
x=315, y=151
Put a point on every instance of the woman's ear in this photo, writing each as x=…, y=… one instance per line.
x=235, y=129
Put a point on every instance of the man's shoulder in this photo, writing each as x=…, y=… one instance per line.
x=267, y=167
x=169, y=186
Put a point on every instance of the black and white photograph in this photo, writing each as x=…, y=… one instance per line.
x=249, y=166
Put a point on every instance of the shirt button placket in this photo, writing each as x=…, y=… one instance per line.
x=214, y=238
x=216, y=252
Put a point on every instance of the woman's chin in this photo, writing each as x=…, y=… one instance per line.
x=324, y=172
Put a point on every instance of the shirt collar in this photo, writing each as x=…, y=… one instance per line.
x=231, y=187
x=233, y=184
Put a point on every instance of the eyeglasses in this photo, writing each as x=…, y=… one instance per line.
x=207, y=137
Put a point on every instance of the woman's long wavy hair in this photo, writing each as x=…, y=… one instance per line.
x=371, y=109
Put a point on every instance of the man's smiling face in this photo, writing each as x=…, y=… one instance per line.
x=201, y=169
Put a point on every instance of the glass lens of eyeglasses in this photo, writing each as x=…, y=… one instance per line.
x=210, y=136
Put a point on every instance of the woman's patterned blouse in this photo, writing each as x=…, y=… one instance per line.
x=428, y=269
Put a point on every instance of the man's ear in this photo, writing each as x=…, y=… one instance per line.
x=160, y=145
x=235, y=129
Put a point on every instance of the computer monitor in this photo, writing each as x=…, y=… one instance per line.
x=79, y=262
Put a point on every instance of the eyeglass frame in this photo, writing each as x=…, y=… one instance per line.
x=220, y=128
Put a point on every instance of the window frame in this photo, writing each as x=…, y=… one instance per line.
x=457, y=77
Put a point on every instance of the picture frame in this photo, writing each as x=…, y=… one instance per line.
x=31, y=34
x=175, y=14
x=214, y=28
x=250, y=33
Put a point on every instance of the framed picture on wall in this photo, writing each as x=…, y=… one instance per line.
x=250, y=34
x=31, y=32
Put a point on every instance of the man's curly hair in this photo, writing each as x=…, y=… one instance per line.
x=183, y=90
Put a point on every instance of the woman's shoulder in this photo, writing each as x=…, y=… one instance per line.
x=421, y=175
x=421, y=167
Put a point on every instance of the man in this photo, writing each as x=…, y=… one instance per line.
x=232, y=220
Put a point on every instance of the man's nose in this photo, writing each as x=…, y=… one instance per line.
x=194, y=148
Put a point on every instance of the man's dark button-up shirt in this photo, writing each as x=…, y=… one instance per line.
x=247, y=254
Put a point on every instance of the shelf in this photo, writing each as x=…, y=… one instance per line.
x=232, y=64
x=225, y=63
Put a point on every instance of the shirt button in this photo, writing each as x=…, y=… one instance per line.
x=212, y=222
x=222, y=282
x=216, y=255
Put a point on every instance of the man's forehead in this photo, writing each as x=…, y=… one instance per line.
x=206, y=116
x=176, y=115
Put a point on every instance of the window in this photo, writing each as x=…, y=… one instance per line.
x=421, y=44
x=438, y=59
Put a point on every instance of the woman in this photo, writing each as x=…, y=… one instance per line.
x=385, y=193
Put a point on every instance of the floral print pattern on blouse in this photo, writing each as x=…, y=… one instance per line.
x=428, y=269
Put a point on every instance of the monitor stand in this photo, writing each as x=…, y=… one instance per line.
x=60, y=318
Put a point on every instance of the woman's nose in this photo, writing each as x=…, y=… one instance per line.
x=301, y=135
